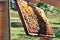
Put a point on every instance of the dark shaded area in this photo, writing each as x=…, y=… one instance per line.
x=56, y=31
x=13, y=5
x=16, y=24
x=55, y=23
x=15, y=9
x=55, y=28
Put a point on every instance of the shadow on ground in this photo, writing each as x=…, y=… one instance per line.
x=56, y=23
x=16, y=24
x=56, y=31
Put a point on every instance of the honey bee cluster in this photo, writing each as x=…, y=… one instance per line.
x=32, y=21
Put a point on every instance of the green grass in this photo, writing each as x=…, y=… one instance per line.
x=54, y=23
x=18, y=33
x=14, y=13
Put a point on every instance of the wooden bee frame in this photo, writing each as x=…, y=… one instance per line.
x=36, y=26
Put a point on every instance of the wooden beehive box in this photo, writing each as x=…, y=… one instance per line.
x=4, y=23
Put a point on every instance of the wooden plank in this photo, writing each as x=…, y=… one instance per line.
x=1, y=21
x=4, y=20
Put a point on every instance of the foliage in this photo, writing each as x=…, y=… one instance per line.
x=48, y=8
x=45, y=7
x=13, y=5
x=16, y=24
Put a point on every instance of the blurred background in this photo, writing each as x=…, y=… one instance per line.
x=17, y=30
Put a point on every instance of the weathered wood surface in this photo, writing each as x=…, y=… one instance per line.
x=34, y=20
x=4, y=20
x=1, y=21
